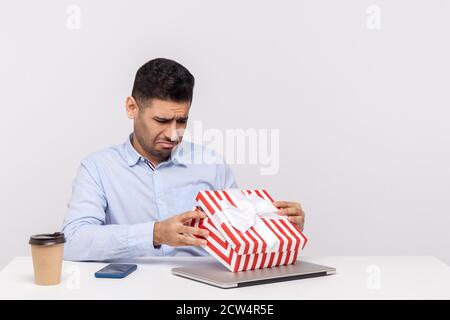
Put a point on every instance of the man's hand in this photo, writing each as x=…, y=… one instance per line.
x=293, y=210
x=175, y=231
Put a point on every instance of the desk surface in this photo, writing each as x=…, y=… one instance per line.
x=356, y=278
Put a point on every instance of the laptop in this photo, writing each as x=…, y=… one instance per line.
x=215, y=274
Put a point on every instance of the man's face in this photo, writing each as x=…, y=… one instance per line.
x=159, y=126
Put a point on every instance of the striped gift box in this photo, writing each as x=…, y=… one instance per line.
x=272, y=241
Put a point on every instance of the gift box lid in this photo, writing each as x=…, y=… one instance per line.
x=249, y=222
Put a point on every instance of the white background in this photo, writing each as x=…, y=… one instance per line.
x=363, y=114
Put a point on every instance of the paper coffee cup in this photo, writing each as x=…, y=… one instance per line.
x=47, y=252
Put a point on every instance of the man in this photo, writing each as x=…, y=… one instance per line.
x=136, y=199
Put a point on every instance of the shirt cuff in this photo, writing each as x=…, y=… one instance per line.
x=140, y=240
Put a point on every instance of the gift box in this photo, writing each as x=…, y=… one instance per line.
x=245, y=230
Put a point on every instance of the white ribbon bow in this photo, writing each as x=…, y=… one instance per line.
x=244, y=217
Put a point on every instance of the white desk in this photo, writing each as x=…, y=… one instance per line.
x=357, y=278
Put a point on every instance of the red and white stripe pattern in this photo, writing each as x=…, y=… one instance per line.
x=269, y=234
x=219, y=248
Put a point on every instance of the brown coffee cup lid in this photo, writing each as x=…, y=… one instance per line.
x=47, y=239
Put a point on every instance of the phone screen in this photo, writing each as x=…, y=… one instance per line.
x=116, y=269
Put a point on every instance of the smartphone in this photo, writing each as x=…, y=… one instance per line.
x=116, y=271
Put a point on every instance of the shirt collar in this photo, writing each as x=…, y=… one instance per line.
x=133, y=156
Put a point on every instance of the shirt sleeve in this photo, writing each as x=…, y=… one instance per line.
x=88, y=237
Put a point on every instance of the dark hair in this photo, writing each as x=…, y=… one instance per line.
x=163, y=79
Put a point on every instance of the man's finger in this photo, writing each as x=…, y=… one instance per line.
x=297, y=219
x=287, y=204
x=197, y=231
x=301, y=226
x=192, y=215
x=190, y=241
x=291, y=212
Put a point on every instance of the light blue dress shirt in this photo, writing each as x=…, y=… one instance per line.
x=117, y=197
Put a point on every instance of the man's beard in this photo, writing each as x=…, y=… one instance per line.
x=147, y=146
x=162, y=155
